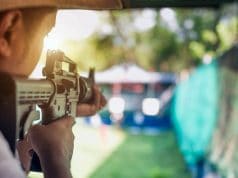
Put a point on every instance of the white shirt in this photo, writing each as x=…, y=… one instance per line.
x=9, y=166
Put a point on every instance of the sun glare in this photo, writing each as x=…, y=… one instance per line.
x=52, y=41
x=71, y=25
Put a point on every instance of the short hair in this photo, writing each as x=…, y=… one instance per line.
x=31, y=17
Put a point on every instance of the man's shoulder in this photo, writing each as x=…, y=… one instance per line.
x=4, y=148
x=9, y=166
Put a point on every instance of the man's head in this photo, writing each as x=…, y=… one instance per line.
x=21, y=38
x=23, y=25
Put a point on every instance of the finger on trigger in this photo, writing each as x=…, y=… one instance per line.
x=97, y=97
x=103, y=101
x=69, y=121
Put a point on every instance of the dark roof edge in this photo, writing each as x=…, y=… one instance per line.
x=174, y=3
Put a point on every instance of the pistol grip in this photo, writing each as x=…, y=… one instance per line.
x=35, y=163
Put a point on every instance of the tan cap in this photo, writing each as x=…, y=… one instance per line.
x=61, y=4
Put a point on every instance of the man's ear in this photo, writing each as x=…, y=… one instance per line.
x=10, y=22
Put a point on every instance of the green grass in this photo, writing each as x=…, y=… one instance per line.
x=141, y=156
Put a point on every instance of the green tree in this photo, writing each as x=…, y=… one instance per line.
x=161, y=47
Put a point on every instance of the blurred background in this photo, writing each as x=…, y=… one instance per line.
x=170, y=77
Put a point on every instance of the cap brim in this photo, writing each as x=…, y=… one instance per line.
x=61, y=4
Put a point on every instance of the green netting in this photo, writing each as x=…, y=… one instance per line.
x=194, y=112
x=224, y=150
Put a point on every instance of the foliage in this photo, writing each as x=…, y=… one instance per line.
x=171, y=42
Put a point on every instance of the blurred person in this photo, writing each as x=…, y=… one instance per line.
x=22, y=31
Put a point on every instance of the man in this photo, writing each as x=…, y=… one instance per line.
x=21, y=38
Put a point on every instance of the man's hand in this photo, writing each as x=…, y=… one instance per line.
x=98, y=103
x=25, y=153
x=53, y=143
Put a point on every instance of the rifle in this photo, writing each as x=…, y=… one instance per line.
x=24, y=102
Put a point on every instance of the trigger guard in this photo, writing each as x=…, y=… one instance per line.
x=33, y=116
